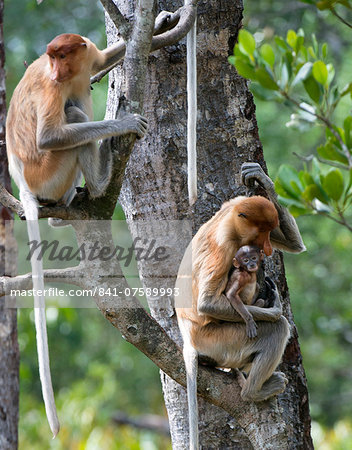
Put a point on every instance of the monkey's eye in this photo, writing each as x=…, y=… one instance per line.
x=254, y=258
x=62, y=56
x=242, y=215
x=246, y=260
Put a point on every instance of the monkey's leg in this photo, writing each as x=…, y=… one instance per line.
x=95, y=165
x=261, y=382
x=68, y=197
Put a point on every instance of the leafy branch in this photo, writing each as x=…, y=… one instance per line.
x=298, y=74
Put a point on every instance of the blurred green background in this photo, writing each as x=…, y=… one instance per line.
x=93, y=381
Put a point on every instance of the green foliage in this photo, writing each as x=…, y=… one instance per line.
x=297, y=72
x=315, y=189
x=319, y=279
x=91, y=382
x=95, y=372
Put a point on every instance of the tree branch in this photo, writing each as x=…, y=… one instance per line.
x=217, y=387
x=168, y=30
x=117, y=18
x=10, y=202
x=71, y=275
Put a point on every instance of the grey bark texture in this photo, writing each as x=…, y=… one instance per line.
x=9, y=352
x=155, y=188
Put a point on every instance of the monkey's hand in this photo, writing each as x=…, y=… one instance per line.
x=287, y=235
x=253, y=172
x=133, y=123
x=259, y=302
x=251, y=328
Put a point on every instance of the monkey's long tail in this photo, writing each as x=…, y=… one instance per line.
x=30, y=207
x=190, y=356
x=192, y=111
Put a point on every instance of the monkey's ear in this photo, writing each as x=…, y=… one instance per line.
x=261, y=254
x=235, y=263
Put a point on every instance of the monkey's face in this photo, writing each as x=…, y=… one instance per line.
x=66, y=56
x=248, y=257
x=251, y=234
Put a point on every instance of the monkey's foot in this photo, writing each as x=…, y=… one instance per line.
x=275, y=385
x=251, y=172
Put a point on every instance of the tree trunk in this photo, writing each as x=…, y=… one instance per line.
x=9, y=353
x=155, y=188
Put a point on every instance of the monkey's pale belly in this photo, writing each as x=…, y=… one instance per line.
x=54, y=184
x=248, y=293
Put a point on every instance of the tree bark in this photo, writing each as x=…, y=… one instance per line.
x=9, y=352
x=155, y=188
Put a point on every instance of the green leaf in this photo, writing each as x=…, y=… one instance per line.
x=246, y=42
x=267, y=53
x=331, y=153
x=345, y=3
x=315, y=44
x=288, y=175
x=291, y=38
x=296, y=212
x=303, y=73
x=288, y=202
x=349, y=184
x=284, y=76
x=281, y=43
x=325, y=4
x=305, y=178
x=333, y=184
x=312, y=52
x=320, y=72
x=324, y=50
x=347, y=126
x=311, y=192
x=299, y=43
x=346, y=90
x=331, y=73
x=264, y=78
x=262, y=93
x=312, y=88
x=243, y=68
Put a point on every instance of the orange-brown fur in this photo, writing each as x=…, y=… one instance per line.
x=51, y=142
x=216, y=243
x=38, y=102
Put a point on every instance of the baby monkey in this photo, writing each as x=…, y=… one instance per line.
x=242, y=287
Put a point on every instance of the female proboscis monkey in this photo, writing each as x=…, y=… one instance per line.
x=209, y=325
x=51, y=142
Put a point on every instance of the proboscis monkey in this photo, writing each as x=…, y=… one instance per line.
x=51, y=142
x=242, y=286
x=209, y=325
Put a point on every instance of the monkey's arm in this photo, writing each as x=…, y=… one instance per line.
x=221, y=309
x=109, y=57
x=287, y=235
x=242, y=310
x=76, y=134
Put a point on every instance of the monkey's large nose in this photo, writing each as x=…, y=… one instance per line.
x=263, y=241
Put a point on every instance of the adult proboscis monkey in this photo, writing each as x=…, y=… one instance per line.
x=210, y=326
x=51, y=142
